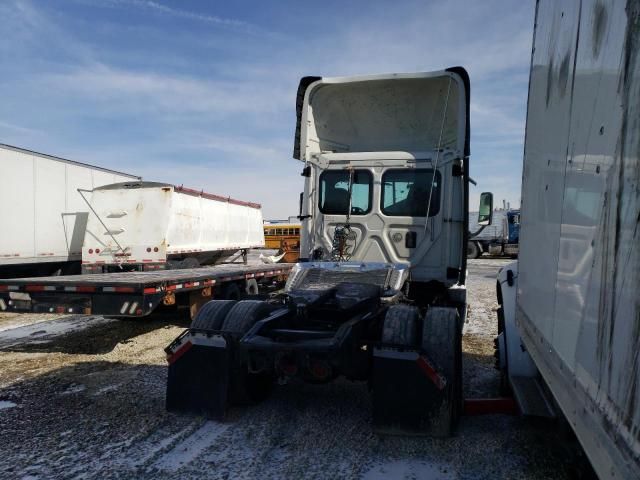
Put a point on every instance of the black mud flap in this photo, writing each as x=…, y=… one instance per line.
x=198, y=379
x=409, y=396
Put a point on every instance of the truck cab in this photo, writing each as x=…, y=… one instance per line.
x=385, y=166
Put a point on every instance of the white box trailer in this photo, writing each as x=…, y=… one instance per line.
x=570, y=310
x=43, y=217
x=148, y=225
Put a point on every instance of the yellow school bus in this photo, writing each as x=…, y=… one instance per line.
x=276, y=233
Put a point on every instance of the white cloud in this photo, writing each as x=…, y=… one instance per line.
x=150, y=91
x=190, y=15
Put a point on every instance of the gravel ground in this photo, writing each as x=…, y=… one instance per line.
x=83, y=397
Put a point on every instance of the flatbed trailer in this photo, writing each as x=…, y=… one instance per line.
x=137, y=294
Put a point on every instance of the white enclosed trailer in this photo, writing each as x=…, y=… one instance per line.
x=570, y=314
x=43, y=217
x=148, y=225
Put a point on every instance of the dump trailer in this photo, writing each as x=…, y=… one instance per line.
x=140, y=226
x=137, y=294
x=569, y=316
x=44, y=217
x=379, y=293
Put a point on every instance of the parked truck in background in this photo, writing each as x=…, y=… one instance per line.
x=43, y=216
x=379, y=293
x=139, y=226
x=569, y=316
x=500, y=238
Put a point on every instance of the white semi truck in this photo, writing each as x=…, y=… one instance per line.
x=379, y=294
x=569, y=318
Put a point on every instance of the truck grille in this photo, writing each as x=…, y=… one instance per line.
x=322, y=279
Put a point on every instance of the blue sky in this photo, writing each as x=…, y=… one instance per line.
x=203, y=93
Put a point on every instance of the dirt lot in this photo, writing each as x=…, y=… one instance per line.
x=83, y=397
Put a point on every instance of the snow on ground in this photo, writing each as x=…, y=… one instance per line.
x=47, y=327
x=11, y=320
x=6, y=404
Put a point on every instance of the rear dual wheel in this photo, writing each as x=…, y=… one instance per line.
x=440, y=339
x=237, y=318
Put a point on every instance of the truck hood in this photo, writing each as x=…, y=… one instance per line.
x=380, y=113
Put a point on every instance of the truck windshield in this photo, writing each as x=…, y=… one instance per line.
x=334, y=192
x=405, y=193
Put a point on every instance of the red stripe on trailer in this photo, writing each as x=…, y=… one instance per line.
x=119, y=289
x=124, y=289
x=171, y=287
x=85, y=289
x=490, y=406
x=4, y=288
x=431, y=372
x=178, y=353
x=147, y=260
x=150, y=290
x=34, y=288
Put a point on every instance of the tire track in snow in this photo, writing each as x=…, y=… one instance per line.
x=191, y=447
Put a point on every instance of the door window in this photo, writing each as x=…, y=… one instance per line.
x=405, y=193
x=334, y=192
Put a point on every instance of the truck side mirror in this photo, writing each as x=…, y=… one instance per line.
x=485, y=212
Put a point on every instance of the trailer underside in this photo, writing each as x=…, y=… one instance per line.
x=134, y=294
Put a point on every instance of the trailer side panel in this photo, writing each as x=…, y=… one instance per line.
x=578, y=307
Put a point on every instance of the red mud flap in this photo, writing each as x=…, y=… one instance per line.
x=198, y=377
x=409, y=395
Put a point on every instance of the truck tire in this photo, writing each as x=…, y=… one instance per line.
x=244, y=315
x=442, y=342
x=401, y=324
x=472, y=250
x=212, y=314
x=251, y=287
x=244, y=387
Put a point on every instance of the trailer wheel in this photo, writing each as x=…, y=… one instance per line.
x=401, y=324
x=212, y=314
x=231, y=291
x=472, y=250
x=251, y=287
x=244, y=387
x=442, y=342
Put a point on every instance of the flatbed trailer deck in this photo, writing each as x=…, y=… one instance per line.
x=135, y=294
